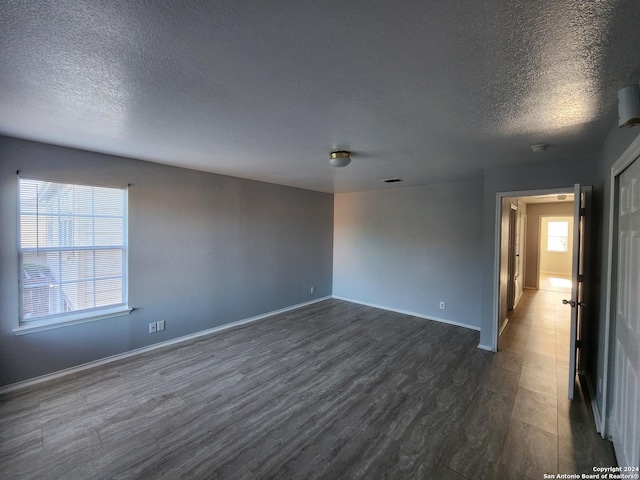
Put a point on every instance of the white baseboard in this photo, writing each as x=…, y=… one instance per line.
x=517, y=300
x=485, y=347
x=504, y=325
x=406, y=312
x=594, y=404
x=155, y=346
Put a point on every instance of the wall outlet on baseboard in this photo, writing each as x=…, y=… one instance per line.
x=152, y=327
x=312, y=290
x=160, y=325
x=442, y=305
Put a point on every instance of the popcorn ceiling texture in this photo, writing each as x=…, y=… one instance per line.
x=425, y=91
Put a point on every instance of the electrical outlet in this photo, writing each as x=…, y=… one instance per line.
x=442, y=305
x=312, y=290
x=152, y=327
x=160, y=325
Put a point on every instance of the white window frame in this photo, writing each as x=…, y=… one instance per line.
x=82, y=315
x=549, y=236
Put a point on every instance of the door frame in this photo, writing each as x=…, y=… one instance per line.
x=511, y=258
x=631, y=154
x=497, y=249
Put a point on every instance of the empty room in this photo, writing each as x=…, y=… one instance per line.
x=332, y=240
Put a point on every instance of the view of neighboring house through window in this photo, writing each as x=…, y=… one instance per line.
x=73, y=249
x=557, y=236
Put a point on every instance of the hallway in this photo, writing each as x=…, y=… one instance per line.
x=548, y=433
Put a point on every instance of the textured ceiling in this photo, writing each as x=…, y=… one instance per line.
x=427, y=91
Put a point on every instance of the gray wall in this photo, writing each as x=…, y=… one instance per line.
x=532, y=176
x=410, y=248
x=534, y=211
x=204, y=250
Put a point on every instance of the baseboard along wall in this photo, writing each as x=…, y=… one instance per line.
x=156, y=346
x=120, y=356
x=407, y=312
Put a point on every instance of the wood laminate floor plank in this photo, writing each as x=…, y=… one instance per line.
x=332, y=390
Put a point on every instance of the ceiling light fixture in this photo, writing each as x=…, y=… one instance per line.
x=340, y=158
x=540, y=147
x=629, y=106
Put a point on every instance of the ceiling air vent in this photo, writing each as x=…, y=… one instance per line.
x=392, y=180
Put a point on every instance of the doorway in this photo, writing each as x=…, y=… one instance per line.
x=547, y=223
x=536, y=247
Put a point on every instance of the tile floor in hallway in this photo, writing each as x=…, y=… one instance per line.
x=555, y=282
x=548, y=432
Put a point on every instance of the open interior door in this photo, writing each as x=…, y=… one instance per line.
x=579, y=277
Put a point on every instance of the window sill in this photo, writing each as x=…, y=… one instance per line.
x=74, y=319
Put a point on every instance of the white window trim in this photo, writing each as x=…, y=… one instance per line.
x=67, y=320
x=86, y=315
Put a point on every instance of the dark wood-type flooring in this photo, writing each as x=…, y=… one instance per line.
x=333, y=390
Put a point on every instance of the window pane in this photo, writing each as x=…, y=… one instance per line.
x=47, y=198
x=67, y=239
x=78, y=295
x=29, y=196
x=108, y=201
x=66, y=201
x=28, y=231
x=48, y=231
x=557, y=244
x=558, y=229
x=77, y=265
x=66, y=231
x=82, y=200
x=557, y=236
x=39, y=301
x=108, y=263
x=108, y=292
x=40, y=283
x=83, y=231
x=108, y=231
x=40, y=269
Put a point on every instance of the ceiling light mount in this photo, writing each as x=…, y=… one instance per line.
x=539, y=147
x=340, y=158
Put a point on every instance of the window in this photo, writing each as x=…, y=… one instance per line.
x=557, y=236
x=72, y=251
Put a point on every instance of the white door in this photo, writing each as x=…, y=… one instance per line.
x=626, y=389
x=579, y=277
